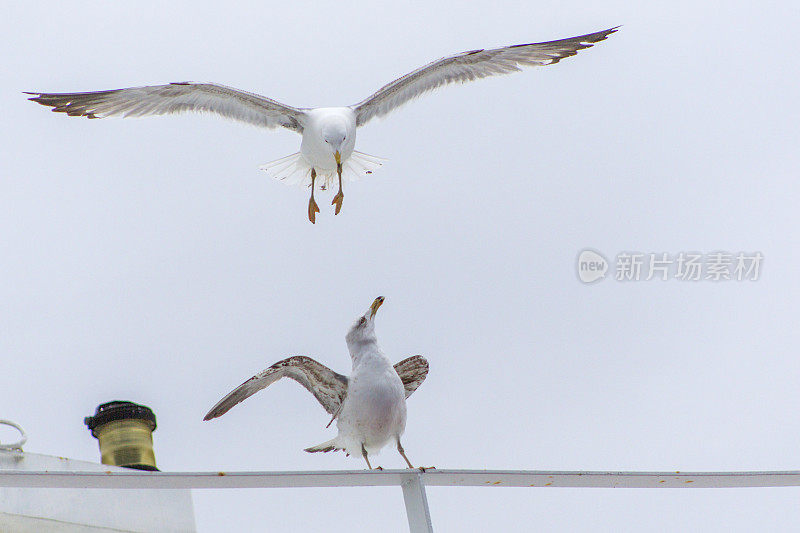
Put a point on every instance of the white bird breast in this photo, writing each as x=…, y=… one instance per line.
x=317, y=152
x=375, y=408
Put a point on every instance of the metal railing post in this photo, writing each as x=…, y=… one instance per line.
x=419, y=515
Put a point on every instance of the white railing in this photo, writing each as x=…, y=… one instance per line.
x=413, y=482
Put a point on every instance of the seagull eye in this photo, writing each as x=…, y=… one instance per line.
x=362, y=321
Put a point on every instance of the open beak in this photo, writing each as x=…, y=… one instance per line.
x=338, y=157
x=375, y=305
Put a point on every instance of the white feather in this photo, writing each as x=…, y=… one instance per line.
x=296, y=170
x=469, y=66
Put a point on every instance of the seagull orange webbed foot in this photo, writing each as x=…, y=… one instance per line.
x=337, y=200
x=313, y=208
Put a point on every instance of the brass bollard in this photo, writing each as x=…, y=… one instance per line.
x=124, y=431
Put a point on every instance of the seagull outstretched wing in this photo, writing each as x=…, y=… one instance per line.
x=328, y=387
x=412, y=372
x=176, y=98
x=469, y=66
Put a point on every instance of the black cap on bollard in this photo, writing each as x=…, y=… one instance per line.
x=124, y=431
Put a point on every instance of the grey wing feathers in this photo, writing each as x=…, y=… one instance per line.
x=469, y=66
x=412, y=372
x=328, y=387
x=176, y=98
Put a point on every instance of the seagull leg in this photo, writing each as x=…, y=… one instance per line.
x=337, y=200
x=313, y=209
x=403, y=453
x=364, y=453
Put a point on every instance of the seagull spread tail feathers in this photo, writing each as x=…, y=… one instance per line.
x=295, y=170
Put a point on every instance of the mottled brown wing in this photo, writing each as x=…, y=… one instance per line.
x=412, y=372
x=328, y=387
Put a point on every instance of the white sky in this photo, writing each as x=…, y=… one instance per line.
x=149, y=260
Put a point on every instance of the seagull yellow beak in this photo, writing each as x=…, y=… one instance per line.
x=338, y=157
x=375, y=305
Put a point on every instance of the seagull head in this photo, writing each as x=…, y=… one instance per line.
x=334, y=132
x=363, y=329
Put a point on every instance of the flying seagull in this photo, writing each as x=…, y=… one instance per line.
x=329, y=133
x=369, y=406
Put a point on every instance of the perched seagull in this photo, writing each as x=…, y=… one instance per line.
x=369, y=406
x=329, y=133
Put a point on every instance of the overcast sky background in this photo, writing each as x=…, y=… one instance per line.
x=149, y=260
